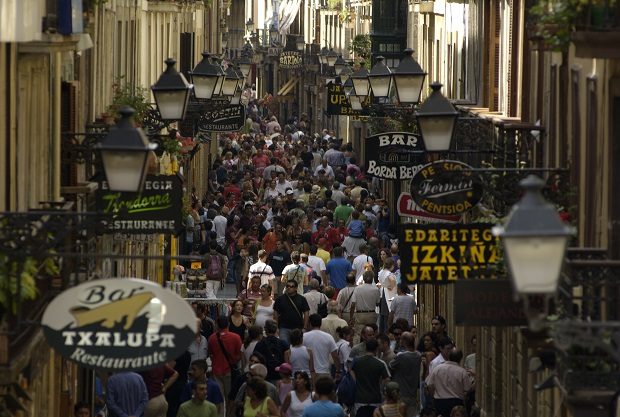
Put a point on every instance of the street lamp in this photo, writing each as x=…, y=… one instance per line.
x=323, y=55
x=348, y=83
x=408, y=79
x=245, y=65
x=436, y=119
x=360, y=81
x=231, y=81
x=273, y=35
x=205, y=77
x=220, y=77
x=356, y=100
x=331, y=57
x=339, y=65
x=249, y=25
x=171, y=92
x=535, y=240
x=380, y=79
x=124, y=154
x=300, y=43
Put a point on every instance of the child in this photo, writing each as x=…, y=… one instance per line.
x=285, y=384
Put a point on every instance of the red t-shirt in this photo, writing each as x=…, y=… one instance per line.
x=232, y=344
x=154, y=378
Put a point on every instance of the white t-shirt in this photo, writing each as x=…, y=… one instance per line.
x=322, y=345
x=262, y=269
x=358, y=265
x=316, y=264
x=434, y=363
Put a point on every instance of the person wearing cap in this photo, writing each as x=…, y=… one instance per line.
x=284, y=385
x=403, y=306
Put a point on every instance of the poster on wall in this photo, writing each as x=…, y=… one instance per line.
x=445, y=253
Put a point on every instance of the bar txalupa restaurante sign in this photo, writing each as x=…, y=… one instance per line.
x=444, y=253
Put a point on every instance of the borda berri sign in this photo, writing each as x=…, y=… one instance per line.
x=119, y=324
x=394, y=155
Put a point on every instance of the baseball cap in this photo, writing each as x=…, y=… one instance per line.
x=289, y=192
x=285, y=368
x=316, y=189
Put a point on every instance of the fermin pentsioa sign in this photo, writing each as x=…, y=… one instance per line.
x=408, y=208
x=119, y=324
x=225, y=119
x=487, y=303
x=337, y=102
x=445, y=253
x=394, y=155
x=446, y=188
x=157, y=209
x=291, y=60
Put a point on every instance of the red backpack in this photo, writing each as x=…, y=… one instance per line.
x=214, y=270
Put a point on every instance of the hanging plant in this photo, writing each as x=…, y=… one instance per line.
x=132, y=95
x=360, y=46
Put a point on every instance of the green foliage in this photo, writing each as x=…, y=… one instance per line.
x=360, y=46
x=334, y=4
x=12, y=272
x=172, y=146
x=132, y=95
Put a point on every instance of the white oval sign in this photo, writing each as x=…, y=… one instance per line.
x=119, y=324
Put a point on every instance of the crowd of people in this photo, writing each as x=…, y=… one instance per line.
x=322, y=325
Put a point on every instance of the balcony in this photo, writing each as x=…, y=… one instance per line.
x=597, y=30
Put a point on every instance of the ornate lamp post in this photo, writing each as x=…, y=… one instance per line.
x=408, y=79
x=171, y=93
x=437, y=119
x=380, y=79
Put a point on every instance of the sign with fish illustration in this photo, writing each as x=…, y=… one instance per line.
x=119, y=324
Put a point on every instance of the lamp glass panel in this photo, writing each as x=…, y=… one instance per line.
x=218, y=85
x=204, y=86
x=436, y=132
x=331, y=60
x=171, y=103
x=229, y=86
x=356, y=102
x=535, y=262
x=245, y=69
x=323, y=59
x=408, y=87
x=361, y=86
x=348, y=89
x=124, y=170
x=380, y=86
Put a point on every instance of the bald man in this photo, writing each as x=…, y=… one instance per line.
x=332, y=321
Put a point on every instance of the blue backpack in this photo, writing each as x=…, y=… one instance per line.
x=346, y=390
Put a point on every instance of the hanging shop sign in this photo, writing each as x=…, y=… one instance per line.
x=445, y=253
x=119, y=324
x=408, y=208
x=157, y=209
x=394, y=155
x=446, y=188
x=487, y=303
x=337, y=102
x=291, y=60
x=225, y=119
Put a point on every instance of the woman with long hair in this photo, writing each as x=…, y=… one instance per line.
x=263, y=308
x=257, y=403
x=299, y=356
x=392, y=406
x=299, y=398
x=270, y=191
x=237, y=322
x=255, y=334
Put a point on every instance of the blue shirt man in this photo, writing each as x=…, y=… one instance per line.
x=323, y=406
x=127, y=395
x=337, y=269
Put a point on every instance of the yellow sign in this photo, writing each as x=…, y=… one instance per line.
x=444, y=253
x=196, y=265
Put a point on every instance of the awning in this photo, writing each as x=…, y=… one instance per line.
x=288, y=86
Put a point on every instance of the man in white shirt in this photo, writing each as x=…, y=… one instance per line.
x=329, y=172
x=314, y=297
x=282, y=185
x=337, y=194
x=446, y=345
x=317, y=264
x=261, y=269
x=323, y=346
x=359, y=261
x=219, y=225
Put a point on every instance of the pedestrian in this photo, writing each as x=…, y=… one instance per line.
x=332, y=321
x=273, y=349
x=315, y=298
x=337, y=269
x=198, y=374
x=299, y=398
x=225, y=354
x=81, y=409
x=157, y=381
x=392, y=406
x=263, y=308
x=449, y=384
x=291, y=311
x=323, y=406
x=364, y=302
x=300, y=356
x=323, y=346
x=126, y=395
x=198, y=406
x=406, y=371
x=257, y=402
x=369, y=374
x=403, y=306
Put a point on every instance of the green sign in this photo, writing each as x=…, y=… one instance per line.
x=157, y=209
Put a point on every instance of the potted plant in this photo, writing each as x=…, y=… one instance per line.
x=132, y=95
